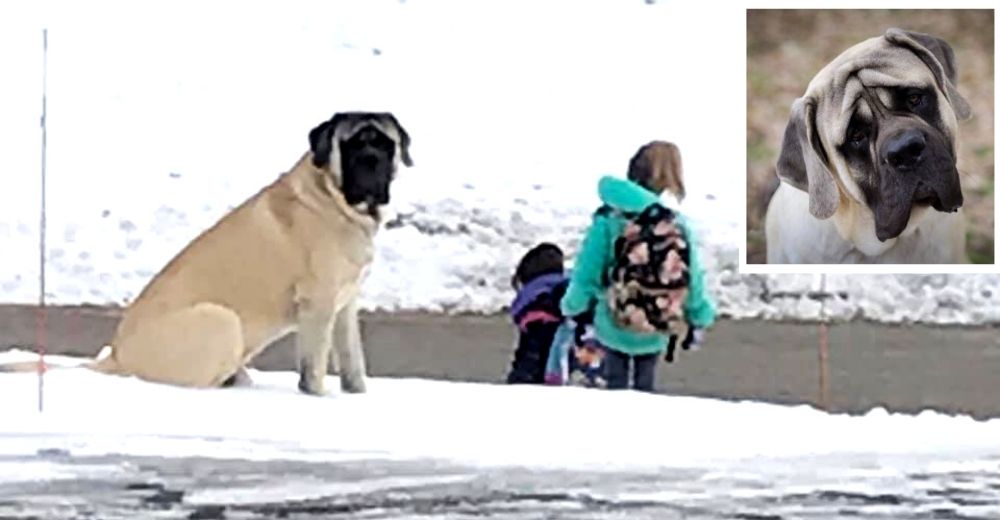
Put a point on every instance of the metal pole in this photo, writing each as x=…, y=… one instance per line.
x=824, y=354
x=824, y=349
x=41, y=243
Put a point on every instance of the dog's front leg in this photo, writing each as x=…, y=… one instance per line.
x=350, y=353
x=313, y=345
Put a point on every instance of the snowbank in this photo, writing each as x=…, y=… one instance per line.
x=405, y=419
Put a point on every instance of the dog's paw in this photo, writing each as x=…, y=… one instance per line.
x=240, y=379
x=311, y=386
x=353, y=384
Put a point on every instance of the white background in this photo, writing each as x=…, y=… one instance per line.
x=163, y=115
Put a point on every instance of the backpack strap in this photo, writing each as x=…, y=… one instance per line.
x=607, y=210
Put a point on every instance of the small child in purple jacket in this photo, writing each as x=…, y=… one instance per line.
x=540, y=284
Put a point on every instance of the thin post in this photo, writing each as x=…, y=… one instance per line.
x=824, y=355
x=824, y=349
x=41, y=320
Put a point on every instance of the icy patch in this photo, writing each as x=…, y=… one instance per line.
x=298, y=489
x=40, y=470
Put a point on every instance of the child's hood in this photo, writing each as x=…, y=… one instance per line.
x=624, y=195
x=535, y=288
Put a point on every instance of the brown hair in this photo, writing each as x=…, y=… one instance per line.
x=656, y=166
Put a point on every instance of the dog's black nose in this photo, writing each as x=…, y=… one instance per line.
x=906, y=150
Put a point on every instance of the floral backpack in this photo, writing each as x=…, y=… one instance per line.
x=648, y=281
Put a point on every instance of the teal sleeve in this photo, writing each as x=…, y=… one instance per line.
x=698, y=309
x=586, y=280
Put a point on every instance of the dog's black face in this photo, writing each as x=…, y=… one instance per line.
x=365, y=155
x=902, y=157
x=367, y=167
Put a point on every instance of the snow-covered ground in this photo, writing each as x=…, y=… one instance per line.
x=435, y=449
x=478, y=424
x=163, y=115
x=413, y=446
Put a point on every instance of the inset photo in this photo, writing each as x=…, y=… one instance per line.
x=870, y=136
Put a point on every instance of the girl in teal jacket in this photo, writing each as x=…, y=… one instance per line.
x=587, y=292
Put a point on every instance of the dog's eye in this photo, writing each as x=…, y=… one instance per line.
x=914, y=99
x=856, y=136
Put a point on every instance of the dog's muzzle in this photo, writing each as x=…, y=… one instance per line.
x=916, y=168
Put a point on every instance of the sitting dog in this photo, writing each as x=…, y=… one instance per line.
x=290, y=258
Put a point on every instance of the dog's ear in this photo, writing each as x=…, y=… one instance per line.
x=404, y=141
x=938, y=56
x=321, y=139
x=320, y=143
x=803, y=163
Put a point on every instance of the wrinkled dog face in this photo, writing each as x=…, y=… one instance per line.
x=901, y=156
x=361, y=150
x=877, y=126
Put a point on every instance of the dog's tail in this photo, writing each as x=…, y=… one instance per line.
x=104, y=363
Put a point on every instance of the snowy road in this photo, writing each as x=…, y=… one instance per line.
x=127, y=487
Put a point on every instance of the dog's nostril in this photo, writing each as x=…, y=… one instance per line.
x=906, y=149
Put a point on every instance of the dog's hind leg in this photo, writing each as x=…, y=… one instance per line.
x=198, y=346
x=350, y=354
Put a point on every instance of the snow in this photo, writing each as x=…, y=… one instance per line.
x=158, y=126
x=44, y=470
x=303, y=489
x=478, y=424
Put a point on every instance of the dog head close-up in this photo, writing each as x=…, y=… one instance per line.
x=874, y=137
x=361, y=151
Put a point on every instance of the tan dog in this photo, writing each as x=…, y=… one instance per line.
x=291, y=258
x=868, y=159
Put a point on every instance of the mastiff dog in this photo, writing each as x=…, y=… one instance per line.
x=290, y=258
x=867, y=163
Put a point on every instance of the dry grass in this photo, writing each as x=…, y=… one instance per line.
x=785, y=48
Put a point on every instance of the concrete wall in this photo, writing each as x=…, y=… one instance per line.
x=903, y=368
